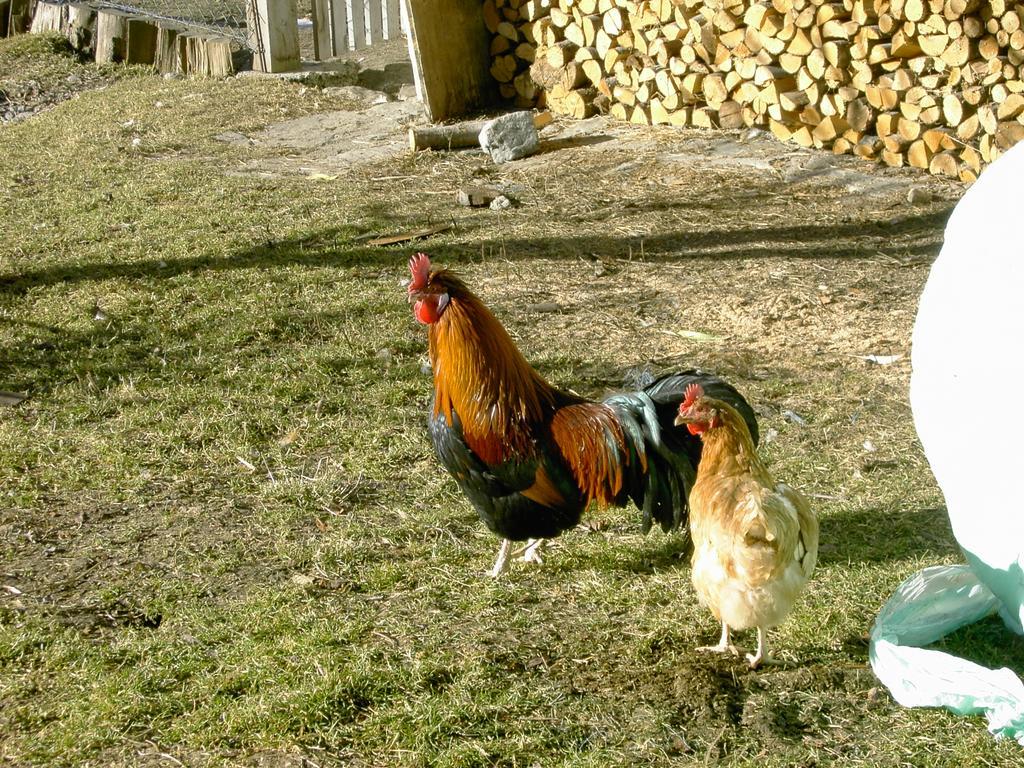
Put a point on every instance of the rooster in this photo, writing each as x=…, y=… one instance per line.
x=755, y=541
x=530, y=457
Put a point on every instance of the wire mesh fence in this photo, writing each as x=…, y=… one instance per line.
x=225, y=17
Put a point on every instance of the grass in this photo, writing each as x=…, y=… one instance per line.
x=234, y=546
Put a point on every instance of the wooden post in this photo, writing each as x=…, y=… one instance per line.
x=358, y=24
x=376, y=21
x=195, y=49
x=50, y=16
x=274, y=35
x=451, y=61
x=141, y=48
x=321, y=13
x=166, y=58
x=82, y=28
x=111, y=36
x=219, y=57
x=339, y=27
x=20, y=16
x=181, y=53
x=394, y=30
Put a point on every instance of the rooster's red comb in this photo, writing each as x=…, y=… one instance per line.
x=693, y=391
x=419, y=265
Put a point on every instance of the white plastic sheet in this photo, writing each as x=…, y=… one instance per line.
x=968, y=369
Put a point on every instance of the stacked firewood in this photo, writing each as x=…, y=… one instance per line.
x=934, y=84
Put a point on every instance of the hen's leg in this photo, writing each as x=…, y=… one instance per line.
x=531, y=553
x=724, y=646
x=502, y=561
x=762, y=656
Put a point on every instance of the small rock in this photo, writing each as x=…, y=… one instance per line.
x=302, y=580
x=385, y=355
x=818, y=163
x=794, y=418
x=500, y=203
x=233, y=137
x=919, y=196
x=510, y=137
x=544, y=306
x=406, y=93
x=477, y=196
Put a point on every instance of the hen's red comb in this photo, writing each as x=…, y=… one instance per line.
x=693, y=391
x=419, y=265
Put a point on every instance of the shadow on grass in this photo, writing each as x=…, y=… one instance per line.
x=988, y=643
x=659, y=551
x=880, y=535
x=919, y=235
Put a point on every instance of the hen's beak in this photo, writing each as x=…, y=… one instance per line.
x=683, y=419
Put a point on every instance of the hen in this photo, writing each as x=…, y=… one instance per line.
x=755, y=540
x=531, y=457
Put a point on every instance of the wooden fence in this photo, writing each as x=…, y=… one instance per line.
x=344, y=25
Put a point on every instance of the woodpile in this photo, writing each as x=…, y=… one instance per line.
x=932, y=84
x=112, y=36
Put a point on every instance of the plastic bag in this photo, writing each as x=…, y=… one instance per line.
x=926, y=607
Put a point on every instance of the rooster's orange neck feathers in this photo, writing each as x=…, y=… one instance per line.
x=480, y=374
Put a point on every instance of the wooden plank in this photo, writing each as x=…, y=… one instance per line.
x=321, y=14
x=376, y=21
x=357, y=15
x=20, y=16
x=451, y=61
x=339, y=26
x=273, y=35
x=394, y=20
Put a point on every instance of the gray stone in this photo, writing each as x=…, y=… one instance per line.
x=510, y=137
x=919, y=196
x=407, y=93
x=500, y=203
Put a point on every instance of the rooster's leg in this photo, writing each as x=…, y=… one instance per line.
x=724, y=646
x=531, y=553
x=502, y=561
x=762, y=656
